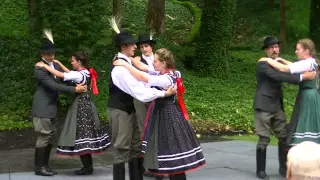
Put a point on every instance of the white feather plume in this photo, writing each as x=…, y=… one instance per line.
x=114, y=23
x=152, y=32
x=48, y=34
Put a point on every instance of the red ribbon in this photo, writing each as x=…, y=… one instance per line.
x=94, y=76
x=181, y=91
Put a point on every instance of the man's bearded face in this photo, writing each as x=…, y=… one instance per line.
x=273, y=51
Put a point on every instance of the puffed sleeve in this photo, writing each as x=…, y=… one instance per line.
x=163, y=81
x=73, y=76
x=303, y=65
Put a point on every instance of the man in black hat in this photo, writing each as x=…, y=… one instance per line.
x=45, y=105
x=125, y=130
x=145, y=44
x=268, y=106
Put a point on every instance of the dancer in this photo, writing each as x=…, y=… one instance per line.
x=45, y=105
x=122, y=89
x=145, y=44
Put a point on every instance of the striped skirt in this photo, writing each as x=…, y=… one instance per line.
x=89, y=139
x=169, y=143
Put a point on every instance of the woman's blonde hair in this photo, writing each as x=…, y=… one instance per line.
x=166, y=55
x=308, y=44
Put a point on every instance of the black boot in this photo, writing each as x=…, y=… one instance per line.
x=119, y=171
x=178, y=177
x=47, y=157
x=261, y=163
x=40, y=165
x=87, y=168
x=282, y=155
x=135, y=172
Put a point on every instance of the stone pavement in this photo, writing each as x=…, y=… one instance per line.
x=227, y=160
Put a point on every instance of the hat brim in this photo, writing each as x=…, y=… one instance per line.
x=131, y=41
x=148, y=41
x=270, y=44
x=48, y=50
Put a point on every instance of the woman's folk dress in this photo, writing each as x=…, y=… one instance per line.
x=83, y=132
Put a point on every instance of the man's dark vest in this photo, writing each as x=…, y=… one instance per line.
x=144, y=61
x=119, y=99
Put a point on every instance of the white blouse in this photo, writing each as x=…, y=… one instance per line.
x=76, y=76
x=301, y=66
x=164, y=80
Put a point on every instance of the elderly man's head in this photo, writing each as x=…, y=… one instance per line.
x=304, y=161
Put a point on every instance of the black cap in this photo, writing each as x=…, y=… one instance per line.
x=268, y=41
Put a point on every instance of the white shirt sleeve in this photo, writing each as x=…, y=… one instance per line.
x=153, y=72
x=122, y=78
x=73, y=76
x=163, y=81
x=301, y=66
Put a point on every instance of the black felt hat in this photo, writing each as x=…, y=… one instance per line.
x=48, y=44
x=268, y=41
x=145, y=38
x=124, y=38
x=47, y=47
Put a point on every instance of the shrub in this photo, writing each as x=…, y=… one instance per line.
x=197, y=13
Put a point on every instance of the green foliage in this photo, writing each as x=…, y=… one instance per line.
x=13, y=122
x=216, y=33
x=13, y=19
x=17, y=85
x=75, y=24
x=255, y=20
x=197, y=13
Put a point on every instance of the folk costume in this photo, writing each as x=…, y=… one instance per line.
x=83, y=133
x=269, y=111
x=125, y=130
x=304, y=124
x=169, y=144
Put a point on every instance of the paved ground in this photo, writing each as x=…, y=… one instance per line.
x=227, y=160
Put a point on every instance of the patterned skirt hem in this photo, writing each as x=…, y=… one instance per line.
x=178, y=171
x=307, y=136
x=296, y=142
x=62, y=152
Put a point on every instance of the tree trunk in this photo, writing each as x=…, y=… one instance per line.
x=156, y=15
x=215, y=36
x=283, y=24
x=34, y=17
x=314, y=28
x=117, y=10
